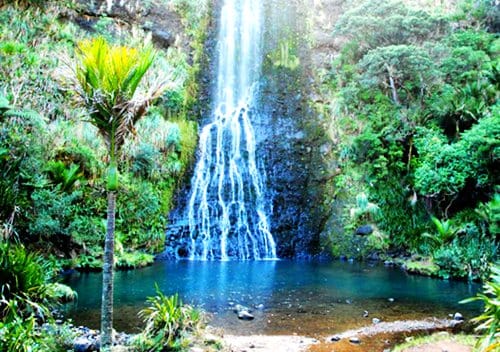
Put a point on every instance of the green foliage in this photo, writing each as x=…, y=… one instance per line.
x=444, y=169
x=480, y=13
x=52, y=213
x=389, y=23
x=26, y=298
x=422, y=267
x=140, y=216
x=25, y=335
x=490, y=213
x=363, y=212
x=168, y=323
x=285, y=56
x=401, y=69
x=66, y=177
x=489, y=321
x=61, y=292
x=52, y=163
x=23, y=278
x=467, y=256
x=445, y=231
x=89, y=262
x=417, y=118
x=133, y=260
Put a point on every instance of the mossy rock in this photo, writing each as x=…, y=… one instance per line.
x=133, y=260
x=424, y=266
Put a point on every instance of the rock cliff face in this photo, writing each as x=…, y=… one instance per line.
x=290, y=135
x=296, y=145
x=161, y=20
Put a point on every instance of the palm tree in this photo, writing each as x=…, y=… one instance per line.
x=106, y=79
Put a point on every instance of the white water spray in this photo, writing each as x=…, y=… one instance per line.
x=227, y=209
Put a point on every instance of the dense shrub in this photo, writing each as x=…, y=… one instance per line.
x=168, y=323
x=26, y=300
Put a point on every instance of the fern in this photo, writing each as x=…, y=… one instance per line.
x=7, y=110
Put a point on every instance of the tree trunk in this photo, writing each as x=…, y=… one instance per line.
x=107, y=277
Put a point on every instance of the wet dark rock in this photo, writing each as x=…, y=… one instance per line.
x=245, y=315
x=374, y=257
x=364, y=230
x=83, y=344
x=163, y=38
x=355, y=340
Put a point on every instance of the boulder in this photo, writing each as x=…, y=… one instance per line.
x=163, y=38
x=245, y=315
x=82, y=344
x=355, y=340
x=364, y=230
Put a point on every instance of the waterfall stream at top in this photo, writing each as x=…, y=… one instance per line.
x=227, y=212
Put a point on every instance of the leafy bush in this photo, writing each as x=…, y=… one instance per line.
x=66, y=177
x=490, y=213
x=23, y=280
x=26, y=298
x=445, y=232
x=489, y=321
x=26, y=335
x=89, y=262
x=168, y=323
x=468, y=257
x=444, y=169
x=52, y=213
x=61, y=292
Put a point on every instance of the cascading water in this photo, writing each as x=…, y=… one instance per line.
x=227, y=211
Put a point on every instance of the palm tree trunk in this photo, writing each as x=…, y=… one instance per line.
x=107, y=277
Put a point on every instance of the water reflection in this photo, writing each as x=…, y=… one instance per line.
x=295, y=296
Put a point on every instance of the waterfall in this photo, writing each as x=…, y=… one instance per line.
x=227, y=211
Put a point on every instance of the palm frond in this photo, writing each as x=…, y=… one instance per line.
x=107, y=78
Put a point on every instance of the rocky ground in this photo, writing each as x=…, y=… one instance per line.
x=285, y=343
x=377, y=337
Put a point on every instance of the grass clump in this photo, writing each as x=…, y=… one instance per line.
x=169, y=323
x=466, y=340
